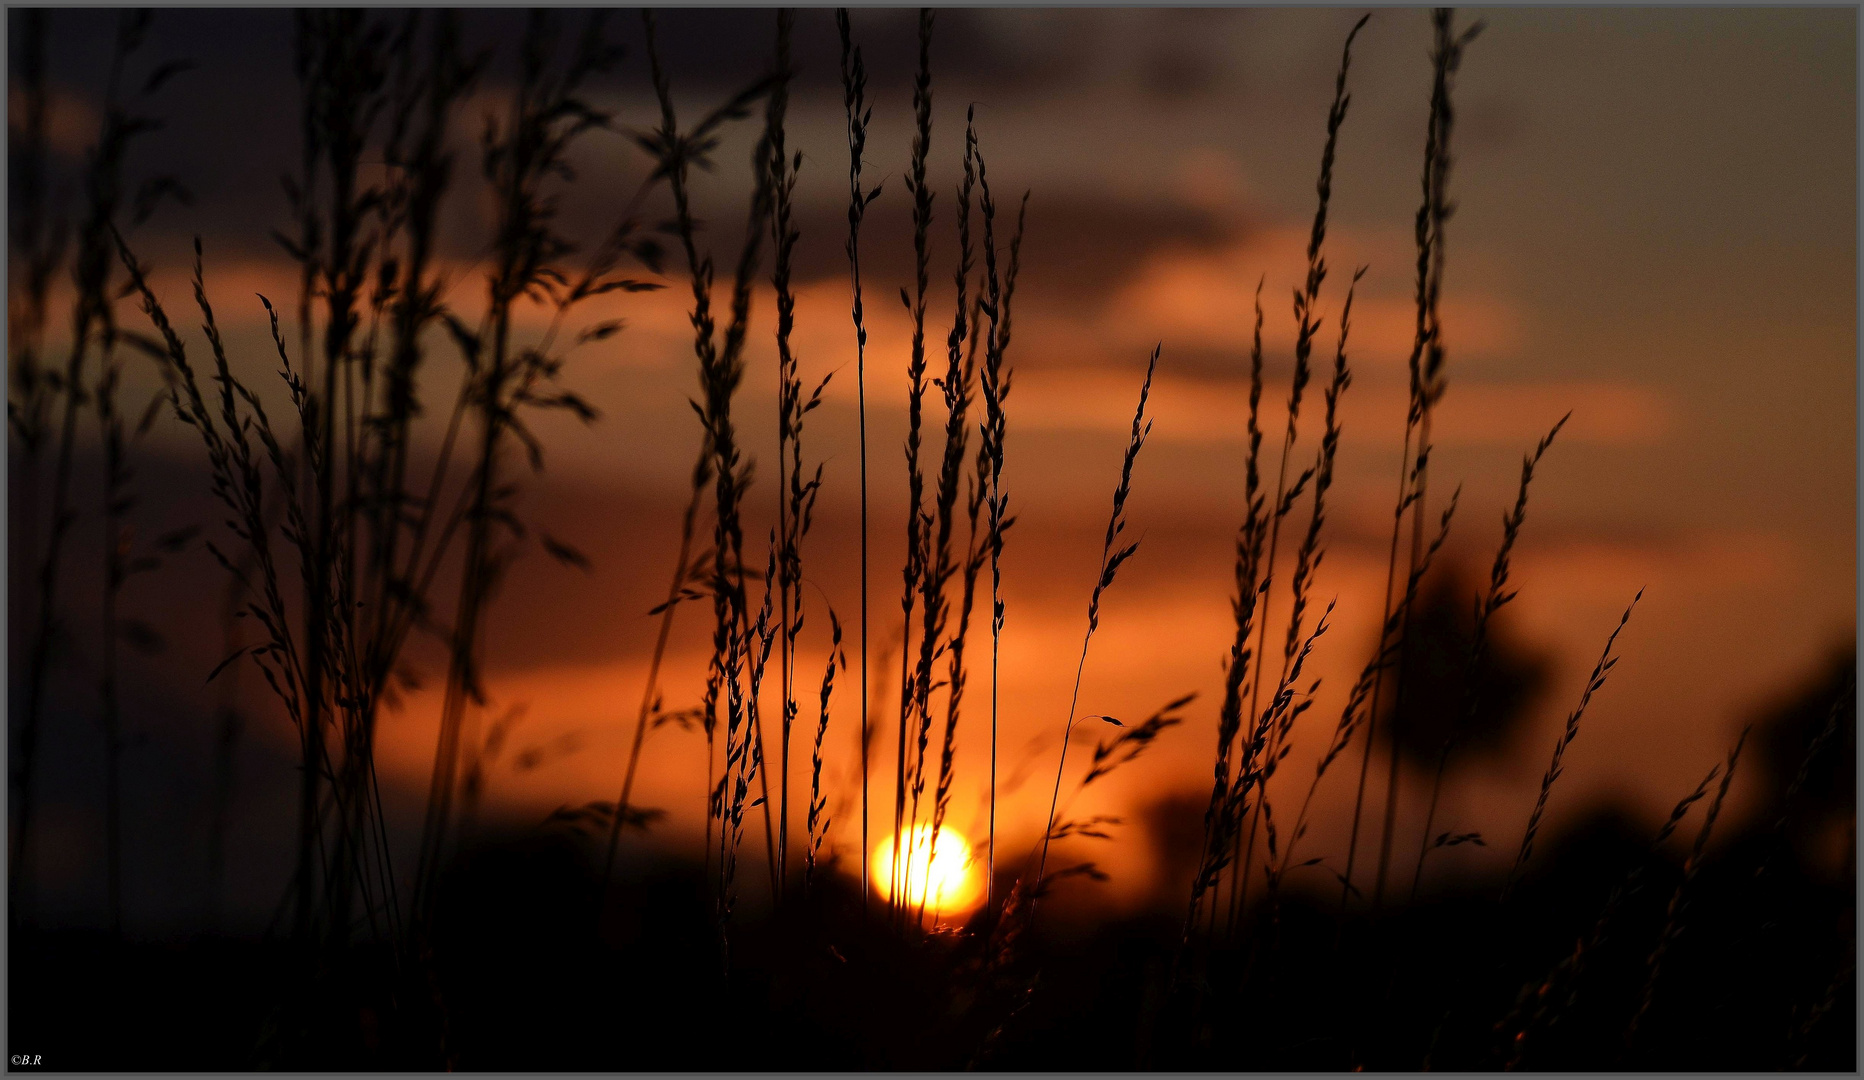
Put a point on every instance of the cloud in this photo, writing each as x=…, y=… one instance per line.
x=1471, y=414
x=1205, y=299
x=1080, y=244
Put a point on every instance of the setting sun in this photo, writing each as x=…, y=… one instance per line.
x=943, y=877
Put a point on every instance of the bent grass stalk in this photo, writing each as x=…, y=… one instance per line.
x=676, y=591
x=1679, y=899
x=1594, y=683
x=1110, y=561
x=1498, y=596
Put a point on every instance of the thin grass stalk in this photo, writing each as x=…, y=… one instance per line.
x=744, y=751
x=1252, y=767
x=1403, y=503
x=732, y=367
x=1498, y=596
x=415, y=306
x=1218, y=831
x=1000, y=518
x=1311, y=553
x=547, y=116
x=994, y=384
x=404, y=581
x=883, y=664
x=916, y=526
x=237, y=482
x=1419, y=484
x=854, y=92
x=1425, y=238
x=312, y=31
x=229, y=725
x=1110, y=562
x=318, y=864
x=1594, y=683
x=1846, y=975
x=346, y=104
x=743, y=759
x=489, y=374
x=308, y=67
x=120, y=563
x=347, y=65
x=347, y=284
x=1307, y=324
x=1257, y=764
x=290, y=472
x=1679, y=899
x=116, y=542
x=1357, y=701
x=819, y=819
x=36, y=243
x=120, y=560
x=1427, y=354
x=1814, y=750
x=1252, y=580
x=796, y=504
x=1107, y=758
x=92, y=320
x=682, y=571
x=1283, y=503
x=1570, y=972
x=373, y=507
x=976, y=550
x=789, y=392
x=1267, y=759
x=942, y=565
x=393, y=585
x=721, y=370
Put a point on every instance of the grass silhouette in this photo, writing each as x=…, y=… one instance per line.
x=373, y=513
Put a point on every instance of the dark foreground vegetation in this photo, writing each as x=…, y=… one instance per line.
x=1760, y=981
x=360, y=514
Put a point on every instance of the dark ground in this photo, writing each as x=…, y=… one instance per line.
x=522, y=979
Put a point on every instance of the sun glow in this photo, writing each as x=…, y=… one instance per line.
x=944, y=878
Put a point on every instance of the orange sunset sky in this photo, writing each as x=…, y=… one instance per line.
x=1655, y=229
